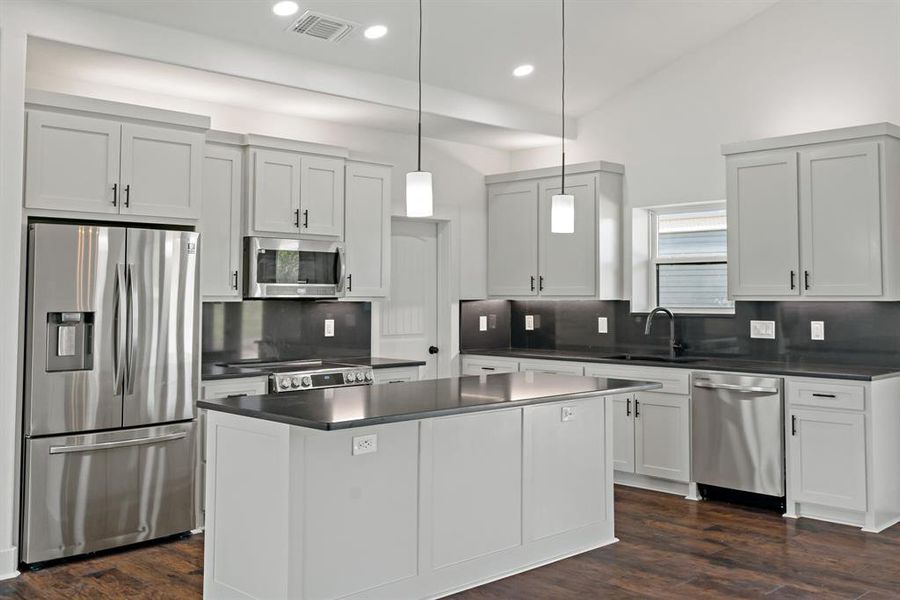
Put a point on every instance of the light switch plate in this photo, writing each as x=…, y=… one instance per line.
x=365, y=444
x=817, y=330
x=529, y=322
x=762, y=329
x=602, y=325
x=329, y=327
x=482, y=323
x=568, y=413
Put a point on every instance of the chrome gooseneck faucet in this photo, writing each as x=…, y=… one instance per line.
x=673, y=345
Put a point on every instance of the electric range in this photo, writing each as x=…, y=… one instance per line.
x=294, y=375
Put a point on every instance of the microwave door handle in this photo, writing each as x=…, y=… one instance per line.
x=120, y=329
x=342, y=259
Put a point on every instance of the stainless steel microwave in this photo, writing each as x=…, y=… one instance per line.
x=293, y=268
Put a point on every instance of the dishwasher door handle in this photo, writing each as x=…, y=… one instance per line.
x=703, y=383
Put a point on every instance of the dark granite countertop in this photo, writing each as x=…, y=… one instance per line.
x=213, y=371
x=791, y=368
x=359, y=406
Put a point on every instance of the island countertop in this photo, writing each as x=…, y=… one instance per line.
x=364, y=405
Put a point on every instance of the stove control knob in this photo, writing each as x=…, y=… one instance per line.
x=350, y=376
x=284, y=383
x=295, y=381
x=306, y=381
x=368, y=375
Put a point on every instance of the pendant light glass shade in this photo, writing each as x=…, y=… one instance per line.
x=419, y=200
x=562, y=213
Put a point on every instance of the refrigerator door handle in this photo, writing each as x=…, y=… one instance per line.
x=117, y=444
x=120, y=330
x=132, y=326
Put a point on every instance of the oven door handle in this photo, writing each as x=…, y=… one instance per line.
x=342, y=268
x=702, y=383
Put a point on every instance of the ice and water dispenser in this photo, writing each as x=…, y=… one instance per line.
x=70, y=343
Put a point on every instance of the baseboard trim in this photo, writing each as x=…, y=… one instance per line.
x=655, y=484
x=8, y=563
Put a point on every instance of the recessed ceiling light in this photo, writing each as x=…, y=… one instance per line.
x=375, y=31
x=285, y=8
x=523, y=70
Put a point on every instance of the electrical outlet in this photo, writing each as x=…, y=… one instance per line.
x=602, y=325
x=568, y=413
x=529, y=322
x=817, y=330
x=482, y=323
x=365, y=444
x=762, y=329
x=329, y=327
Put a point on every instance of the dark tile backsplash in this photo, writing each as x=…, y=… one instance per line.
x=855, y=332
x=284, y=329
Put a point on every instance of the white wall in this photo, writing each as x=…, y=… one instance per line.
x=796, y=67
x=458, y=169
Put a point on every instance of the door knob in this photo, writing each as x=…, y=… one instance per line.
x=432, y=349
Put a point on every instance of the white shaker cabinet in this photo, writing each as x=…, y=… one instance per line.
x=367, y=230
x=623, y=432
x=512, y=239
x=566, y=260
x=763, y=232
x=322, y=196
x=72, y=163
x=815, y=216
x=161, y=172
x=274, y=206
x=662, y=435
x=220, y=223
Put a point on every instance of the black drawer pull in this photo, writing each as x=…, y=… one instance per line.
x=817, y=395
x=793, y=425
x=488, y=368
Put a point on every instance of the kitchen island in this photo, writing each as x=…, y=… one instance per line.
x=406, y=490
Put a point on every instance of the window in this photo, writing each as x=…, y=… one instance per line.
x=689, y=262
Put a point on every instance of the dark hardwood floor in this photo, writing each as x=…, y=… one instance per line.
x=670, y=548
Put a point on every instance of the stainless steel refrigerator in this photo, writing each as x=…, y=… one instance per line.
x=111, y=374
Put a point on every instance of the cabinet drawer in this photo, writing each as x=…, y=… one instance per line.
x=551, y=366
x=396, y=375
x=488, y=365
x=674, y=381
x=244, y=386
x=825, y=394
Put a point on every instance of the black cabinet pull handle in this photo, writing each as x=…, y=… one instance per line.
x=488, y=368
x=115, y=194
x=793, y=425
x=637, y=408
x=541, y=283
x=628, y=407
x=806, y=280
x=234, y=280
x=816, y=395
x=306, y=219
x=532, y=283
x=792, y=279
x=127, y=195
x=350, y=282
x=296, y=217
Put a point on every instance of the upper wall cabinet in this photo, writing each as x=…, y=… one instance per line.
x=815, y=216
x=109, y=166
x=220, y=223
x=368, y=230
x=525, y=258
x=295, y=194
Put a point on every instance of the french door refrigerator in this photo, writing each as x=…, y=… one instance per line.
x=112, y=341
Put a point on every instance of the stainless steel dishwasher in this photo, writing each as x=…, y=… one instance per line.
x=737, y=432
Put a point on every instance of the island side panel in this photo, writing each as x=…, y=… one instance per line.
x=246, y=537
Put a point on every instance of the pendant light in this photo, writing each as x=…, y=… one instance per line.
x=562, y=205
x=419, y=198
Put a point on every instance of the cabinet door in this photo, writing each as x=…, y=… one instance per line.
x=763, y=231
x=662, y=435
x=840, y=207
x=162, y=171
x=623, y=433
x=512, y=239
x=828, y=458
x=275, y=206
x=220, y=224
x=568, y=261
x=72, y=163
x=368, y=230
x=322, y=196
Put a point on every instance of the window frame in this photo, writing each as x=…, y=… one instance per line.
x=655, y=260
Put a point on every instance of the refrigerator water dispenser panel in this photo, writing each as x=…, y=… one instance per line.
x=70, y=343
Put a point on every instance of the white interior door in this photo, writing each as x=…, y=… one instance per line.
x=409, y=315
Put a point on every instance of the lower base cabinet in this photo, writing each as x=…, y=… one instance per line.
x=662, y=436
x=396, y=375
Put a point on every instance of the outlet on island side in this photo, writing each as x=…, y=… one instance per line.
x=365, y=444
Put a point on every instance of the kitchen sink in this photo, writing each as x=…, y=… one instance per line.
x=654, y=358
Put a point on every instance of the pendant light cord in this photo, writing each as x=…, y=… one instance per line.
x=419, y=136
x=563, y=128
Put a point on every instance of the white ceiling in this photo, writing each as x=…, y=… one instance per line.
x=471, y=46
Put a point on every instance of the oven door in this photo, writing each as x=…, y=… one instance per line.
x=288, y=268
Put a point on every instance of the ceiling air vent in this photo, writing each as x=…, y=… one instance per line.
x=322, y=27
